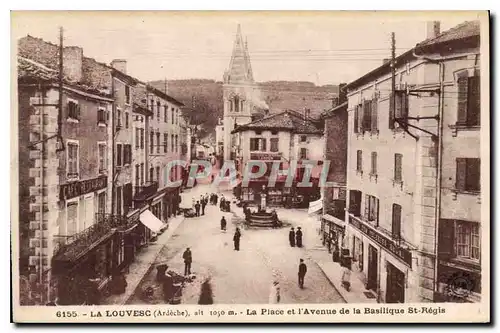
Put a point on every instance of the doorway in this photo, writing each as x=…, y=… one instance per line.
x=395, y=285
x=371, y=283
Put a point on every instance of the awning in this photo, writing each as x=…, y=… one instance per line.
x=152, y=222
x=315, y=206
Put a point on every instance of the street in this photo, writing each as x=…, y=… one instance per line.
x=238, y=277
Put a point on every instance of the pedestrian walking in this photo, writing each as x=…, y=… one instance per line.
x=291, y=237
x=216, y=198
x=275, y=294
x=188, y=259
x=236, y=239
x=197, y=208
x=298, y=237
x=223, y=224
x=302, y=273
x=203, y=205
x=221, y=206
x=227, y=205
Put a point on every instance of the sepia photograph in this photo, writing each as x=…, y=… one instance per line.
x=250, y=166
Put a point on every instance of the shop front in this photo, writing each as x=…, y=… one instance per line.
x=333, y=232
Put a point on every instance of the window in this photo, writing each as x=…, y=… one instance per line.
x=275, y=144
x=371, y=209
x=467, y=240
x=151, y=143
x=165, y=142
x=165, y=115
x=152, y=105
x=172, y=143
x=356, y=119
x=258, y=144
x=158, y=142
x=142, y=138
x=374, y=115
x=102, y=157
x=119, y=154
x=118, y=201
x=176, y=143
x=101, y=203
x=367, y=114
x=158, y=174
x=396, y=221
x=72, y=218
x=468, y=174
x=73, y=110
x=101, y=117
x=118, y=119
x=126, y=119
x=374, y=164
x=358, y=252
x=400, y=109
x=355, y=202
x=73, y=159
x=158, y=108
x=127, y=154
x=236, y=104
x=398, y=166
x=172, y=111
x=359, y=161
x=303, y=138
x=127, y=198
x=127, y=94
x=142, y=174
x=469, y=101
x=151, y=174
x=137, y=138
x=303, y=153
x=137, y=175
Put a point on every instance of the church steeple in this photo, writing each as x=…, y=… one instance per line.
x=240, y=70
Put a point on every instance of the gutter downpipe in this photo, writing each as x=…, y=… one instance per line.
x=439, y=164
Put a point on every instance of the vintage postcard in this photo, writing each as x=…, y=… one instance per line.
x=250, y=166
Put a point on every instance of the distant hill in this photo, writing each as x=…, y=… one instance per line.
x=279, y=95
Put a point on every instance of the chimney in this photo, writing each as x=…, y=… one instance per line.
x=433, y=29
x=120, y=64
x=72, y=63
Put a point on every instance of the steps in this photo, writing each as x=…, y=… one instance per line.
x=262, y=220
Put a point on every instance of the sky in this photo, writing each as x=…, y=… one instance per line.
x=320, y=47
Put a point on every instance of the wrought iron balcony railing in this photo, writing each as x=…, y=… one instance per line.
x=146, y=190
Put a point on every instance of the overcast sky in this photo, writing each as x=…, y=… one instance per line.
x=321, y=47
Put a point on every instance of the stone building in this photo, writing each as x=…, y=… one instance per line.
x=413, y=193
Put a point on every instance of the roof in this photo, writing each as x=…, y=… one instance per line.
x=164, y=96
x=338, y=108
x=288, y=121
x=463, y=31
x=31, y=71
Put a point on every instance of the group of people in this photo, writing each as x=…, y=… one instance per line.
x=295, y=237
x=200, y=205
x=225, y=205
x=213, y=199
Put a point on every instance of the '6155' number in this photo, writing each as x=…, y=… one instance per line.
x=66, y=314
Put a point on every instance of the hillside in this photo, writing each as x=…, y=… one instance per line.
x=279, y=95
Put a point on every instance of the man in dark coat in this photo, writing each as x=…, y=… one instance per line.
x=302, y=273
x=203, y=205
x=216, y=198
x=291, y=237
x=188, y=259
x=236, y=239
x=197, y=208
x=298, y=237
x=223, y=223
x=221, y=206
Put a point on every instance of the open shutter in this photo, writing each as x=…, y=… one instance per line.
x=392, y=110
x=473, y=174
x=446, y=238
x=264, y=142
x=463, y=82
x=396, y=221
x=374, y=116
x=461, y=173
x=474, y=101
x=356, y=119
x=367, y=207
x=119, y=154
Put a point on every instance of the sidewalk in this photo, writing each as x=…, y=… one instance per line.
x=143, y=263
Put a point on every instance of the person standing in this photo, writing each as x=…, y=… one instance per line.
x=188, y=259
x=223, y=224
x=302, y=273
x=236, y=239
x=216, y=198
x=197, y=208
x=203, y=205
x=291, y=237
x=298, y=237
x=221, y=206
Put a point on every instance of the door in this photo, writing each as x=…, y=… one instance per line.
x=89, y=212
x=371, y=283
x=395, y=285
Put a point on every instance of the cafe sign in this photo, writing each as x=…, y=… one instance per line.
x=265, y=156
x=78, y=188
x=383, y=241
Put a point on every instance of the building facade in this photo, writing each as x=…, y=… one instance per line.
x=398, y=153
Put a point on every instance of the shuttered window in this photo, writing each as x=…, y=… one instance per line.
x=165, y=142
x=152, y=142
x=469, y=100
x=142, y=174
x=274, y=144
x=468, y=174
x=137, y=175
x=396, y=221
x=398, y=162
x=371, y=209
x=158, y=174
x=142, y=138
x=359, y=161
x=367, y=122
x=119, y=160
x=303, y=153
x=374, y=115
x=356, y=119
x=151, y=174
x=374, y=163
x=118, y=201
x=137, y=137
x=158, y=142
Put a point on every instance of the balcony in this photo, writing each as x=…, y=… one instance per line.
x=70, y=248
x=145, y=191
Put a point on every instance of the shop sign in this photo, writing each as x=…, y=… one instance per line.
x=383, y=241
x=265, y=156
x=78, y=188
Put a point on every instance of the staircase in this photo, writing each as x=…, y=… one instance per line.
x=262, y=220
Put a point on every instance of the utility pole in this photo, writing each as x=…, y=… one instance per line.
x=393, y=71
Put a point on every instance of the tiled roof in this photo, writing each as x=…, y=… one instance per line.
x=287, y=120
x=464, y=30
x=29, y=70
